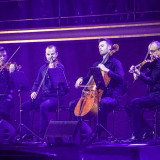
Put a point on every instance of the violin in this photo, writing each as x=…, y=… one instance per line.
x=88, y=104
x=6, y=66
x=142, y=66
x=8, y=63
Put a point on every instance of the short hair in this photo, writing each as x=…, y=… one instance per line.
x=51, y=46
x=156, y=42
x=107, y=41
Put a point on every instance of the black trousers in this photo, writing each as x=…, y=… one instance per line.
x=44, y=104
x=6, y=105
x=106, y=105
x=134, y=110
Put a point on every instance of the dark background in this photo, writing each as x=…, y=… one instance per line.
x=49, y=13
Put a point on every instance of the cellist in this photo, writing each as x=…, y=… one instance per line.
x=114, y=69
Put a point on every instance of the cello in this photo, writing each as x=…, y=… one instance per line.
x=88, y=104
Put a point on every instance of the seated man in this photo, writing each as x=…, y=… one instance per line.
x=50, y=97
x=111, y=93
x=141, y=131
x=6, y=85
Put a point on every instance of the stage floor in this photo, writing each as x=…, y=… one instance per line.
x=99, y=151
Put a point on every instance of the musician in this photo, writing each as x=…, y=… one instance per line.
x=48, y=99
x=141, y=132
x=6, y=85
x=112, y=92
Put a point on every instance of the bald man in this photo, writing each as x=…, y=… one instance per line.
x=48, y=100
x=141, y=131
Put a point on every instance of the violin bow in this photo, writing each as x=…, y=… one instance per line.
x=13, y=54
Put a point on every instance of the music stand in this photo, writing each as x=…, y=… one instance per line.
x=59, y=82
x=21, y=85
x=100, y=84
x=20, y=81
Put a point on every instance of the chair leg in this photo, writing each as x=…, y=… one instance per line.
x=155, y=124
x=33, y=116
x=57, y=114
x=70, y=114
x=58, y=117
x=113, y=122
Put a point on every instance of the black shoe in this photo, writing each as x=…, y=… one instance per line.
x=27, y=137
x=148, y=136
x=133, y=139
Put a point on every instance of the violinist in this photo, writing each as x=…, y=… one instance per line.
x=6, y=85
x=141, y=131
x=48, y=99
x=112, y=92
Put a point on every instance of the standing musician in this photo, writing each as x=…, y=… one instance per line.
x=48, y=100
x=149, y=73
x=112, y=92
x=6, y=85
